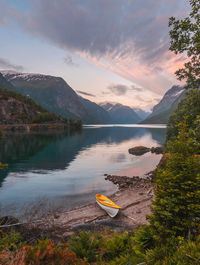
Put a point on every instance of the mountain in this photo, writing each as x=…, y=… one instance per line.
x=142, y=113
x=51, y=92
x=162, y=111
x=120, y=113
x=4, y=84
x=100, y=115
x=18, y=109
x=56, y=96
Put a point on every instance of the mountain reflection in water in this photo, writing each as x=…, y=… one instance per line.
x=60, y=166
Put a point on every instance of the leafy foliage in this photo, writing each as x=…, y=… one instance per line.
x=45, y=252
x=10, y=241
x=144, y=238
x=116, y=246
x=185, y=39
x=86, y=245
x=180, y=253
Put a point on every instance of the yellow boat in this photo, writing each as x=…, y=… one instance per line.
x=106, y=204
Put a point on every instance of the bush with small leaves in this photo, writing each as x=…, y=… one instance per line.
x=86, y=245
x=10, y=241
x=45, y=252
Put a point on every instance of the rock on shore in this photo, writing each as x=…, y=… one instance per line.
x=124, y=182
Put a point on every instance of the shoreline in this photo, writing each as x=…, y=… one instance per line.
x=38, y=127
x=135, y=200
x=134, y=195
x=136, y=203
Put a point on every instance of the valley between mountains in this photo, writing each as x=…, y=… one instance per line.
x=54, y=95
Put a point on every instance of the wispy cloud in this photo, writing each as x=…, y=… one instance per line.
x=85, y=93
x=5, y=64
x=118, y=90
x=121, y=90
x=129, y=38
x=100, y=27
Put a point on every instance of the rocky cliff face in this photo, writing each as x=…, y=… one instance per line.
x=16, y=109
x=13, y=111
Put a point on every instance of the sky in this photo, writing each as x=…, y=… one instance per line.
x=106, y=50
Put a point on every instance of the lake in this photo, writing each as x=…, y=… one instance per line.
x=67, y=170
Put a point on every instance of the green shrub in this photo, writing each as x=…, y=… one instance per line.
x=46, y=252
x=144, y=238
x=188, y=253
x=126, y=259
x=10, y=241
x=117, y=245
x=86, y=245
x=44, y=117
x=179, y=252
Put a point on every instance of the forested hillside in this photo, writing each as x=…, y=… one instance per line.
x=18, y=109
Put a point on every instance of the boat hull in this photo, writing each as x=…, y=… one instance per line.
x=112, y=212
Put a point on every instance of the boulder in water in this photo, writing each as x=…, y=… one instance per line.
x=139, y=150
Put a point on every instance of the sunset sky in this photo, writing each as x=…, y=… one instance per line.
x=106, y=50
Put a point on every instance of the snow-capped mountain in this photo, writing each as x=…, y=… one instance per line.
x=55, y=95
x=51, y=92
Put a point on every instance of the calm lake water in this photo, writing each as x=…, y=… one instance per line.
x=68, y=170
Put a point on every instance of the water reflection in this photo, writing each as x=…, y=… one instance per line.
x=56, y=166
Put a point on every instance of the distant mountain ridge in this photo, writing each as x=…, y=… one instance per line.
x=55, y=95
x=100, y=115
x=142, y=113
x=162, y=111
x=120, y=113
